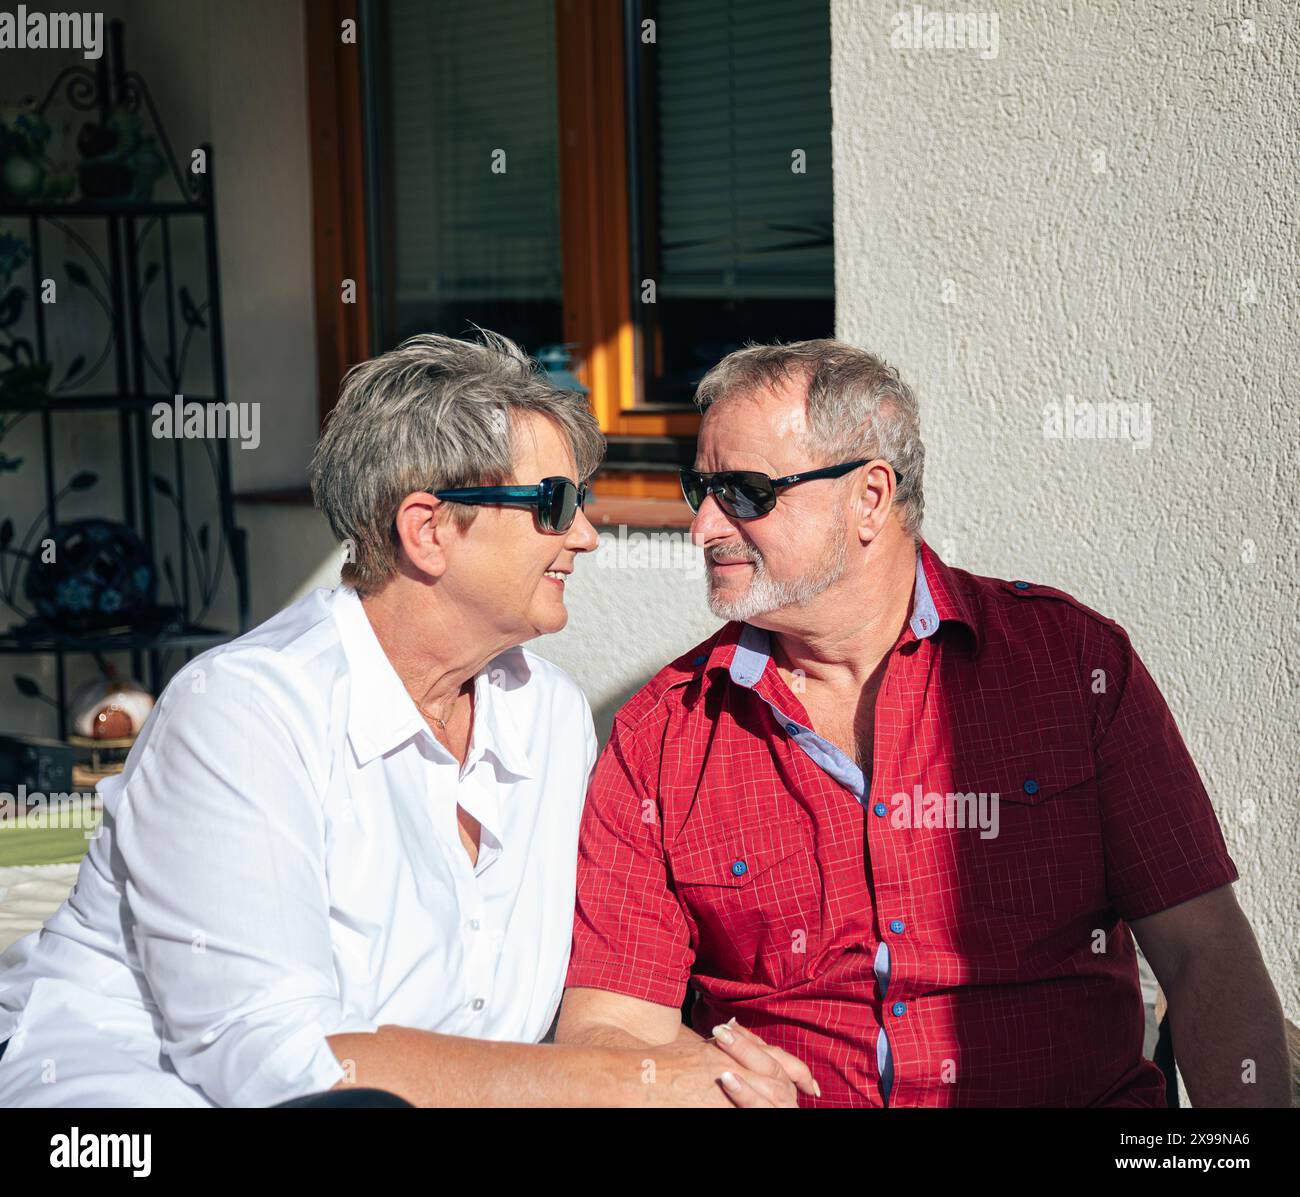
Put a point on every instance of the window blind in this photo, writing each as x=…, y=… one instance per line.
x=465, y=80
x=741, y=84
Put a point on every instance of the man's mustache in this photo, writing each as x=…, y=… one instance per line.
x=734, y=552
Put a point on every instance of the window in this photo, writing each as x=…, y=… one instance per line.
x=644, y=185
x=470, y=192
x=730, y=128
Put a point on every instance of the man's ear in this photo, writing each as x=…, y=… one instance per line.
x=874, y=499
x=423, y=532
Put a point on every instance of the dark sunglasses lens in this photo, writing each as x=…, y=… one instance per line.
x=693, y=489
x=746, y=495
x=562, y=507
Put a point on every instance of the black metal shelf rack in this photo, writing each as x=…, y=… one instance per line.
x=138, y=378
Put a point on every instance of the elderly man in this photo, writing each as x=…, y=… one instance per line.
x=896, y=818
x=342, y=854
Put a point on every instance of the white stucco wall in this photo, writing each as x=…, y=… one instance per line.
x=1112, y=200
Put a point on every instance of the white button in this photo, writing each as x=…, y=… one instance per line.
x=473, y=924
x=478, y=1003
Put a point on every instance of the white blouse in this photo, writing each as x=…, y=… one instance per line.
x=281, y=861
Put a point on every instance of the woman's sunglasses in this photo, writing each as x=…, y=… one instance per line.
x=745, y=494
x=555, y=500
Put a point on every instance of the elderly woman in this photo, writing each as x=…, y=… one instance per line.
x=342, y=854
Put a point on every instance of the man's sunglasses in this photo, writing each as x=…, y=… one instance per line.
x=555, y=500
x=745, y=494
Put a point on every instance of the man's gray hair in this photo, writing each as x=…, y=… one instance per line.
x=857, y=406
x=434, y=412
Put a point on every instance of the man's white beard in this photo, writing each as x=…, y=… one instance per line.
x=765, y=593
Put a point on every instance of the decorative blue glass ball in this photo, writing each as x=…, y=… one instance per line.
x=100, y=576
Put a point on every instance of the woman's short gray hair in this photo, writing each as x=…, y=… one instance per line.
x=434, y=412
x=857, y=406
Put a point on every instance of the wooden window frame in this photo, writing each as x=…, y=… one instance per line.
x=339, y=240
x=594, y=223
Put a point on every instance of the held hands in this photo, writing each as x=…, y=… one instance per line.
x=771, y=1075
x=733, y=1069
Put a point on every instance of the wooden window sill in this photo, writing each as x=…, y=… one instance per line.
x=639, y=513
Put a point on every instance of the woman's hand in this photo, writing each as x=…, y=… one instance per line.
x=771, y=1064
x=734, y=1069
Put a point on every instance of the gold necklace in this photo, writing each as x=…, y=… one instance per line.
x=442, y=723
x=419, y=706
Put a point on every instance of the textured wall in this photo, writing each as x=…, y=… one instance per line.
x=1105, y=212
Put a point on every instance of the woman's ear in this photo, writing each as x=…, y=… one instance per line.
x=422, y=532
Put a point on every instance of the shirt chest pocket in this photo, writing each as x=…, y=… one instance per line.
x=1038, y=854
x=753, y=898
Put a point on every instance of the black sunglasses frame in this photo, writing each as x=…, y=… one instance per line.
x=764, y=501
x=550, y=499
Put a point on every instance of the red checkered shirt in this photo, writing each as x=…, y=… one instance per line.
x=727, y=846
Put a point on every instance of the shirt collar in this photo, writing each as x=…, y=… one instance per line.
x=495, y=729
x=382, y=715
x=937, y=597
x=942, y=595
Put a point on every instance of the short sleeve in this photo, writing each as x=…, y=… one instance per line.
x=629, y=933
x=1161, y=839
